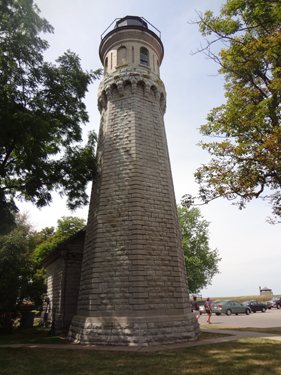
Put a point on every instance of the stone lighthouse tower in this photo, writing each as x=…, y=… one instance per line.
x=133, y=287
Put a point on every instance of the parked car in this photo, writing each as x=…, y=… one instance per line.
x=201, y=307
x=256, y=306
x=274, y=302
x=229, y=307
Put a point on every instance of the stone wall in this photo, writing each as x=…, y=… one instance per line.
x=132, y=41
x=54, y=279
x=63, y=270
x=72, y=278
x=133, y=287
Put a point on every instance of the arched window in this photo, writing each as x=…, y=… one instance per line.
x=144, y=56
x=122, y=56
x=106, y=66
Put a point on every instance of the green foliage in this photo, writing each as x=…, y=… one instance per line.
x=41, y=109
x=19, y=279
x=246, y=159
x=22, y=276
x=201, y=262
x=67, y=227
x=7, y=211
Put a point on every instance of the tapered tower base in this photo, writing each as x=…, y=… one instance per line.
x=133, y=287
x=134, y=331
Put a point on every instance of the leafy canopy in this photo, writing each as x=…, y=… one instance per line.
x=67, y=226
x=41, y=112
x=22, y=276
x=20, y=279
x=201, y=262
x=246, y=152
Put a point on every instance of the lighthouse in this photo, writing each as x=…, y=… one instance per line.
x=133, y=286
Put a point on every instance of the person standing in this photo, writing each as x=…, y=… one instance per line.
x=208, y=309
x=195, y=307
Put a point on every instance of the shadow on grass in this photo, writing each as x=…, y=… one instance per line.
x=38, y=335
x=41, y=335
x=247, y=356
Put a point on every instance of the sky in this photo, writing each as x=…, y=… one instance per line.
x=248, y=245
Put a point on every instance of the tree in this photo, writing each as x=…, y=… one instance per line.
x=41, y=110
x=246, y=160
x=22, y=276
x=19, y=278
x=201, y=262
x=67, y=227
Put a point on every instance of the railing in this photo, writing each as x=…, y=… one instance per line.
x=153, y=28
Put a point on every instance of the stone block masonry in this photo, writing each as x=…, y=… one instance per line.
x=63, y=270
x=133, y=286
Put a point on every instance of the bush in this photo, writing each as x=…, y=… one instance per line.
x=7, y=320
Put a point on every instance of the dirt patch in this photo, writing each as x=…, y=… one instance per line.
x=210, y=335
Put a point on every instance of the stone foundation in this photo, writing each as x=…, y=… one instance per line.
x=134, y=332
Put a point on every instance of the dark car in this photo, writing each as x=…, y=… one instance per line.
x=256, y=306
x=230, y=307
x=274, y=302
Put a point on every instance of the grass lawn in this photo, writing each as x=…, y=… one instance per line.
x=247, y=356
x=275, y=331
x=35, y=335
x=241, y=299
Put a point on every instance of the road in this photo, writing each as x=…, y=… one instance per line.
x=269, y=319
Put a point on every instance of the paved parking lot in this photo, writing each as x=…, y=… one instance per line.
x=269, y=319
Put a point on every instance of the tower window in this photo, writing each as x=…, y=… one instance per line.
x=122, y=56
x=144, y=56
x=106, y=66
